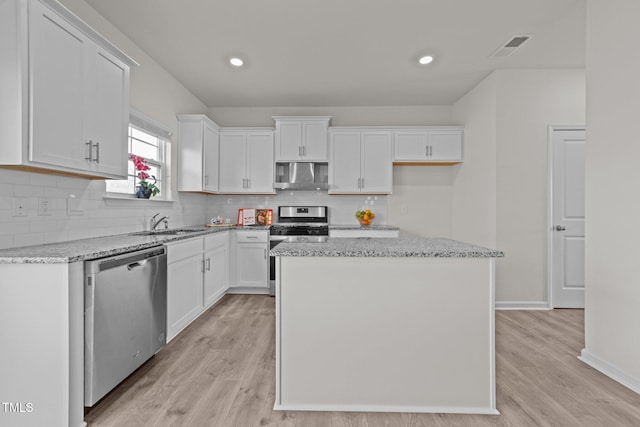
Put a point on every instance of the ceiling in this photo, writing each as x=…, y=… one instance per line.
x=314, y=53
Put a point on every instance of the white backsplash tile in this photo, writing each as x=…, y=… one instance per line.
x=102, y=217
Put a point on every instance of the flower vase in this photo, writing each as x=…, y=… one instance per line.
x=143, y=193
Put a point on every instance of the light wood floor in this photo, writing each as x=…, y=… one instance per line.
x=220, y=372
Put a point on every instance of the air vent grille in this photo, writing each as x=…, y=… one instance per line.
x=511, y=46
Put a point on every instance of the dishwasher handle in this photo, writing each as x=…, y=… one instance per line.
x=137, y=264
x=131, y=260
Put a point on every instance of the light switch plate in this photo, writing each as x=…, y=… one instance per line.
x=44, y=206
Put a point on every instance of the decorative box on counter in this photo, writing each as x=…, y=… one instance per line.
x=251, y=216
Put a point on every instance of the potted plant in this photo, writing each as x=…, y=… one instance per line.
x=145, y=188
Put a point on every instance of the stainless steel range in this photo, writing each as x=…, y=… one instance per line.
x=301, y=224
x=297, y=224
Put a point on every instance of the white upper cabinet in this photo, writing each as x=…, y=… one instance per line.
x=246, y=160
x=360, y=161
x=428, y=145
x=301, y=138
x=65, y=103
x=198, y=153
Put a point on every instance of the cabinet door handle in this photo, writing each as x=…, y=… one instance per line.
x=430, y=150
x=97, y=160
x=248, y=183
x=361, y=182
x=90, y=145
x=202, y=266
x=300, y=150
x=426, y=151
x=265, y=253
x=208, y=264
x=304, y=151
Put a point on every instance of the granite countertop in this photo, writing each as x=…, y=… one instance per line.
x=100, y=247
x=385, y=247
x=360, y=227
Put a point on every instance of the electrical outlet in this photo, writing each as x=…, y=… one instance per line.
x=44, y=206
x=20, y=206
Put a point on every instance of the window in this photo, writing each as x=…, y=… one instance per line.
x=150, y=141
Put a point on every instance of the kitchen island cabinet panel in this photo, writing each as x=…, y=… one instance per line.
x=422, y=340
x=42, y=356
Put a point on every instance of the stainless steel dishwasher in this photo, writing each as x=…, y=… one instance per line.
x=125, y=317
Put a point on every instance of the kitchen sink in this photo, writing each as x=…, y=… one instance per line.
x=171, y=232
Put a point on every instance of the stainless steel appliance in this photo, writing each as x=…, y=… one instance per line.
x=297, y=224
x=125, y=317
x=301, y=176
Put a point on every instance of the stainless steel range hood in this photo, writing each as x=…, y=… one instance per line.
x=301, y=176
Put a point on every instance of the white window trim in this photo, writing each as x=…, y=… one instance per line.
x=148, y=124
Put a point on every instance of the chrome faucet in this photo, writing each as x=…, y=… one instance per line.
x=153, y=224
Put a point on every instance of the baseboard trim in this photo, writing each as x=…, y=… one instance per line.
x=388, y=408
x=522, y=305
x=610, y=370
x=248, y=290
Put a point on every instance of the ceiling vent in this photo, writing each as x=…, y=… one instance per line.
x=511, y=46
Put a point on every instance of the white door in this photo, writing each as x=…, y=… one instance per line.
x=106, y=118
x=445, y=145
x=56, y=56
x=377, y=165
x=260, y=162
x=344, y=167
x=567, y=212
x=211, y=158
x=315, y=141
x=233, y=157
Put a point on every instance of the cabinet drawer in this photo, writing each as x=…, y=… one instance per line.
x=243, y=236
x=183, y=249
x=216, y=240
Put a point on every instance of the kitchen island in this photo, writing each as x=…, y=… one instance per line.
x=391, y=325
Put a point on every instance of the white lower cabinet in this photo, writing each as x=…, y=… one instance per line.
x=252, y=259
x=197, y=276
x=216, y=267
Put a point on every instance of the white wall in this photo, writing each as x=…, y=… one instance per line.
x=154, y=92
x=528, y=101
x=340, y=116
x=612, y=314
x=512, y=153
x=474, y=182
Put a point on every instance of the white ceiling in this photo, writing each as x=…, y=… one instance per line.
x=345, y=52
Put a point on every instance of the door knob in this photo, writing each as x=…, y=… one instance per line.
x=560, y=227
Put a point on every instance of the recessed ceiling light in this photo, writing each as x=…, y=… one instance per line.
x=427, y=59
x=236, y=62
